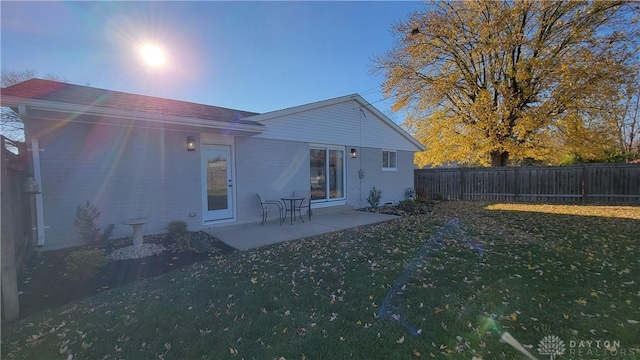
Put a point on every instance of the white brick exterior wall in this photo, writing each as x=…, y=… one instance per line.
x=392, y=183
x=276, y=168
x=272, y=167
x=125, y=172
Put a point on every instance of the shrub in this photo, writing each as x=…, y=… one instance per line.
x=182, y=242
x=176, y=228
x=87, y=228
x=179, y=235
x=85, y=264
x=185, y=240
x=374, y=197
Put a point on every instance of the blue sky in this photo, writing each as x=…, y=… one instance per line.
x=254, y=56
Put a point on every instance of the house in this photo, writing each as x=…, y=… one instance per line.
x=135, y=156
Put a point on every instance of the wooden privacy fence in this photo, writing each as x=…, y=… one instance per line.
x=15, y=216
x=590, y=183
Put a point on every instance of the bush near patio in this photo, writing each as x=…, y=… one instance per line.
x=565, y=271
x=89, y=232
x=184, y=240
x=85, y=263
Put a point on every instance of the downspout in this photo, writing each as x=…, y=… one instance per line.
x=361, y=114
x=35, y=153
x=37, y=176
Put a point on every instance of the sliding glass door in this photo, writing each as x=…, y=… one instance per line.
x=327, y=173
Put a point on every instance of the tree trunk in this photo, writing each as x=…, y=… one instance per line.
x=499, y=158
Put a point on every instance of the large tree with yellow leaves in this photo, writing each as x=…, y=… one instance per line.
x=484, y=82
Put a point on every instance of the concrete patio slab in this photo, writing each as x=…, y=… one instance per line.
x=253, y=235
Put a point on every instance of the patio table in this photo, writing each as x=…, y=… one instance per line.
x=292, y=204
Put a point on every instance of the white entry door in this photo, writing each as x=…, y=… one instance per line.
x=217, y=182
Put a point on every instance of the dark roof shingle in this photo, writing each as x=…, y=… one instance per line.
x=38, y=89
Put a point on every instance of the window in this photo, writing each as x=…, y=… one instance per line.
x=389, y=160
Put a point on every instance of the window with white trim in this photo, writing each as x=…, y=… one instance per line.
x=389, y=160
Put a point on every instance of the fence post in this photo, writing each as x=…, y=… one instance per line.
x=585, y=184
x=516, y=187
x=462, y=184
x=9, y=288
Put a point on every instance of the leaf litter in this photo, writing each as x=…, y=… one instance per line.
x=543, y=273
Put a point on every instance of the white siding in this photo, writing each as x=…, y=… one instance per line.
x=342, y=123
x=126, y=172
x=393, y=184
x=274, y=168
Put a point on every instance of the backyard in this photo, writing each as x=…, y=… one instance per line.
x=561, y=279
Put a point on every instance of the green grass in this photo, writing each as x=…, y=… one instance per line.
x=568, y=271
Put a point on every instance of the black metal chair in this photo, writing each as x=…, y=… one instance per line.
x=306, y=203
x=264, y=204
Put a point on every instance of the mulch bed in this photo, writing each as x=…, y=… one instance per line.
x=405, y=208
x=44, y=283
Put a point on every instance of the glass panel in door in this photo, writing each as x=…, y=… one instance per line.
x=318, y=174
x=336, y=174
x=217, y=182
x=327, y=173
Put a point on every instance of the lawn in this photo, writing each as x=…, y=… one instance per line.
x=562, y=280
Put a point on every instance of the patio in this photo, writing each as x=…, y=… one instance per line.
x=253, y=235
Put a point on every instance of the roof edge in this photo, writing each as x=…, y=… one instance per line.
x=260, y=118
x=256, y=128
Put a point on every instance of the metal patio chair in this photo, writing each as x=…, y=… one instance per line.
x=264, y=204
x=306, y=203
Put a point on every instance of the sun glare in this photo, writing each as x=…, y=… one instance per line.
x=152, y=55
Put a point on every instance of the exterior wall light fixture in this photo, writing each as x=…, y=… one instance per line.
x=191, y=143
x=354, y=153
x=30, y=186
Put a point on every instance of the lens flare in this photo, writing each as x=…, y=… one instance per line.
x=516, y=345
x=490, y=325
x=393, y=306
